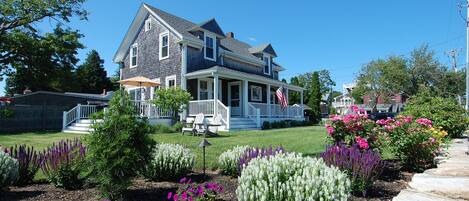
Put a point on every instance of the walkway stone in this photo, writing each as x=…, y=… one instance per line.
x=448, y=182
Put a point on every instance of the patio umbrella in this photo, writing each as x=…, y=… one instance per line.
x=139, y=81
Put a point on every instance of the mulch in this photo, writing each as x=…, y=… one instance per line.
x=388, y=186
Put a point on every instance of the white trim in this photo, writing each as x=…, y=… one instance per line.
x=211, y=36
x=252, y=93
x=168, y=78
x=163, y=22
x=131, y=51
x=148, y=24
x=242, y=58
x=160, y=46
x=152, y=89
x=269, y=64
x=209, y=88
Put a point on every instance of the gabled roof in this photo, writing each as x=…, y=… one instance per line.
x=267, y=48
x=212, y=26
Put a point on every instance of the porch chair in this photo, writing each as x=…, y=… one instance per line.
x=216, y=120
x=196, y=124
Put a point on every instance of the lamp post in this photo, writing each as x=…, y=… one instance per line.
x=204, y=143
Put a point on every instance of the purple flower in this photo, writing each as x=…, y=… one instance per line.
x=170, y=194
x=252, y=153
x=183, y=180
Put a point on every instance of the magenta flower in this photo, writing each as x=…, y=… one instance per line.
x=336, y=118
x=362, y=142
x=170, y=194
x=354, y=108
x=424, y=121
x=330, y=130
x=175, y=197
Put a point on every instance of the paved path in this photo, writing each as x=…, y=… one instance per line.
x=448, y=182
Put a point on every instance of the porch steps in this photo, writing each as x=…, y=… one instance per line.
x=240, y=123
x=82, y=126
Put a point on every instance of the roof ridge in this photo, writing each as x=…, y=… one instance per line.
x=166, y=13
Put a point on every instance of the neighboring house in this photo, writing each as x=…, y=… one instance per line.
x=393, y=104
x=224, y=75
x=343, y=102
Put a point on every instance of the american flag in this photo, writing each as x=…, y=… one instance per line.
x=282, y=97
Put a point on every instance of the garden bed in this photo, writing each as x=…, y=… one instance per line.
x=388, y=186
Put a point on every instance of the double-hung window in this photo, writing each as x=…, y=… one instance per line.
x=171, y=81
x=148, y=24
x=133, y=55
x=256, y=93
x=164, y=45
x=210, y=47
x=267, y=65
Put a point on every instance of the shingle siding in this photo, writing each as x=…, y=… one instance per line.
x=244, y=67
x=148, y=63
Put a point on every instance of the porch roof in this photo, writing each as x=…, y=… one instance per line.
x=226, y=72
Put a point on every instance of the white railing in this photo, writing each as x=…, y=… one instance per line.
x=275, y=110
x=146, y=108
x=202, y=106
x=224, y=112
x=254, y=114
x=77, y=113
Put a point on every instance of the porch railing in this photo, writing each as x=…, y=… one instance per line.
x=78, y=112
x=275, y=110
x=224, y=112
x=201, y=106
x=254, y=114
x=146, y=108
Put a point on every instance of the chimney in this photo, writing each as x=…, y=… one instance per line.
x=230, y=35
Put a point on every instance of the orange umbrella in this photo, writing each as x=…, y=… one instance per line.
x=139, y=81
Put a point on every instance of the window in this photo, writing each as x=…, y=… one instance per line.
x=203, y=90
x=273, y=97
x=276, y=75
x=256, y=93
x=267, y=65
x=148, y=24
x=153, y=89
x=136, y=94
x=164, y=45
x=133, y=55
x=171, y=81
x=210, y=45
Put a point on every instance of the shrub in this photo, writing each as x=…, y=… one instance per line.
x=205, y=192
x=169, y=162
x=291, y=177
x=29, y=162
x=414, y=142
x=444, y=112
x=118, y=148
x=266, y=125
x=362, y=166
x=8, y=170
x=177, y=127
x=228, y=161
x=172, y=99
x=353, y=128
x=252, y=153
x=61, y=163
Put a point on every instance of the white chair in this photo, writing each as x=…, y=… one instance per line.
x=197, y=125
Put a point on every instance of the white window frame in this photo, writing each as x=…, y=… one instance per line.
x=253, y=87
x=209, y=88
x=161, y=46
x=148, y=24
x=168, y=78
x=152, y=89
x=268, y=64
x=135, y=45
x=214, y=46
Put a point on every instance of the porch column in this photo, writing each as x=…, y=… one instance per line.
x=183, y=85
x=269, y=108
x=245, y=98
x=287, y=95
x=215, y=94
x=302, y=105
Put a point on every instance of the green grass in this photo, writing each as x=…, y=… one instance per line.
x=40, y=140
x=307, y=140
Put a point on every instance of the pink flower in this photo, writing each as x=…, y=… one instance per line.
x=184, y=195
x=398, y=123
x=389, y=127
x=354, y=108
x=362, y=142
x=330, y=130
x=336, y=118
x=175, y=197
x=170, y=194
x=381, y=122
x=407, y=119
x=424, y=121
x=432, y=140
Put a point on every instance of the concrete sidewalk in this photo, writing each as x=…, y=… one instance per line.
x=448, y=182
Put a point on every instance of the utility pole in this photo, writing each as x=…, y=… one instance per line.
x=467, y=55
x=453, y=54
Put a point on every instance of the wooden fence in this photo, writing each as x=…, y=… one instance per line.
x=31, y=118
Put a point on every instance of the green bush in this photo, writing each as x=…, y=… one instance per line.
x=228, y=161
x=8, y=170
x=119, y=147
x=444, y=112
x=170, y=162
x=285, y=124
x=266, y=125
x=164, y=128
x=291, y=177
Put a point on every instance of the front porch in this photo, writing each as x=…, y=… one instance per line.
x=242, y=100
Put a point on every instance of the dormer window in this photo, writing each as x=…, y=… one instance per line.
x=148, y=24
x=210, y=47
x=133, y=55
x=164, y=45
x=266, y=65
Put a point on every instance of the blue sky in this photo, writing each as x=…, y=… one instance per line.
x=307, y=35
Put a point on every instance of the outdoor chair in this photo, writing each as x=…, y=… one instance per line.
x=197, y=125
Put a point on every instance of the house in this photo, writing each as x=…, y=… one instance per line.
x=224, y=75
x=342, y=103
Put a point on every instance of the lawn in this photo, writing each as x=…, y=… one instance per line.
x=307, y=140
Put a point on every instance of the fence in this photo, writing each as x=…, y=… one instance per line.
x=31, y=118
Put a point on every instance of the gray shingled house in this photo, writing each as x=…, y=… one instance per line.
x=226, y=77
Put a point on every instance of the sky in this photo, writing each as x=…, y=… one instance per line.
x=340, y=36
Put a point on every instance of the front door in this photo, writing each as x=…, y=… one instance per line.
x=234, y=98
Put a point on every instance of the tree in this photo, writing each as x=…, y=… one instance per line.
x=119, y=147
x=46, y=63
x=91, y=75
x=424, y=69
x=172, y=99
x=326, y=81
x=382, y=78
x=20, y=16
x=305, y=80
x=451, y=84
x=314, y=101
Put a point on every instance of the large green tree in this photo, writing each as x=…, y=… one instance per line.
x=314, y=101
x=45, y=63
x=91, y=75
x=305, y=80
x=17, y=26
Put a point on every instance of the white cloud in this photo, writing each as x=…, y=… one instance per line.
x=252, y=39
